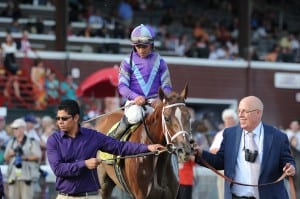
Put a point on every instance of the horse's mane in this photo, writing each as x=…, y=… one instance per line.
x=172, y=98
x=151, y=118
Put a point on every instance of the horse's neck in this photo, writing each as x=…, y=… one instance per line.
x=154, y=127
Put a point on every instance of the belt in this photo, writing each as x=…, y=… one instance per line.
x=94, y=193
x=242, y=197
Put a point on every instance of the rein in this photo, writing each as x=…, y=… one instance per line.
x=169, y=149
x=292, y=187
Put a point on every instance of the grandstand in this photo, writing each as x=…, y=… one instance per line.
x=153, y=13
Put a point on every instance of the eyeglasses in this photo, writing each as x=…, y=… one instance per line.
x=142, y=41
x=64, y=118
x=245, y=111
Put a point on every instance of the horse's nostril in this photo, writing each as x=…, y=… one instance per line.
x=180, y=150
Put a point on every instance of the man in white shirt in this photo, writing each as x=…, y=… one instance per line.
x=240, y=162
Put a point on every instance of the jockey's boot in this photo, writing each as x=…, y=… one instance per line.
x=121, y=128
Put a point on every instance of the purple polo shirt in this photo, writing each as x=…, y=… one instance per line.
x=66, y=157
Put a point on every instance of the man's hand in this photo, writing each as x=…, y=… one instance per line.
x=197, y=150
x=155, y=147
x=140, y=100
x=92, y=163
x=289, y=169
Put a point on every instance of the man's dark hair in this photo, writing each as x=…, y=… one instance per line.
x=70, y=106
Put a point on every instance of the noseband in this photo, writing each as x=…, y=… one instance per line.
x=168, y=137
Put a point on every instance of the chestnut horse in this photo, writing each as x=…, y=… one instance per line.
x=152, y=176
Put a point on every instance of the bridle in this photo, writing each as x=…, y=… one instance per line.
x=169, y=138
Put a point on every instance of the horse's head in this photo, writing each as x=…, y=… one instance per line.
x=176, y=123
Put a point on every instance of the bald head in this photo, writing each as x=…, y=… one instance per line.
x=253, y=102
x=250, y=112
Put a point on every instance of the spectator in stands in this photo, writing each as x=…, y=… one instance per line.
x=125, y=13
x=201, y=48
x=222, y=33
x=35, y=25
x=294, y=42
x=201, y=134
x=200, y=32
x=273, y=56
x=230, y=118
x=38, y=78
x=96, y=19
x=31, y=123
x=213, y=55
x=25, y=43
x=169, y=42
x=46, y=130
x=293, y=133
x=22, y=155
x=8, y=51
x=183, y=45
x=68, y=88
x=15, y=27
x=223, y=52
x=12, y=10
x=86, y=32
x=52, y=88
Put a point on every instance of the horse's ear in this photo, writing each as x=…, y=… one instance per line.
x=161, y=94
x=184, y=92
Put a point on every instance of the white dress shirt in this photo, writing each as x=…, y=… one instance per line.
x=243, y=174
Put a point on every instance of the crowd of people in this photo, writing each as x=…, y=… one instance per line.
x=201, y=35
x=47, y=88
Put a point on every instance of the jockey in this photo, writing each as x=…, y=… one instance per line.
x=140, y=76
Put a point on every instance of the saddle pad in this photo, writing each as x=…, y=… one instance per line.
x=110, y=158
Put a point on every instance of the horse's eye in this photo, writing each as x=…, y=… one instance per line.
x=167, y=119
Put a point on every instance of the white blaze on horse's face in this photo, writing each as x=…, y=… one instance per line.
x=179, y=129
x=178, y=115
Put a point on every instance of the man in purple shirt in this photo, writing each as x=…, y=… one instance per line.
x=72, y=149
x=1, y=185
x=141, y=74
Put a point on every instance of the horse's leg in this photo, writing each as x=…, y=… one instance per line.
x=106, y=183
x=167, y=178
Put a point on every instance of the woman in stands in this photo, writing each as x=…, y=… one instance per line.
x=8, y=51
x=38, y=78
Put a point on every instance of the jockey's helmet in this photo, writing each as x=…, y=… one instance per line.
x=142, y=34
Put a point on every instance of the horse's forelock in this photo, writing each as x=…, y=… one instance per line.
x=173, y=98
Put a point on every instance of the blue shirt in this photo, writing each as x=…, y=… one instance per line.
x=66, y=156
